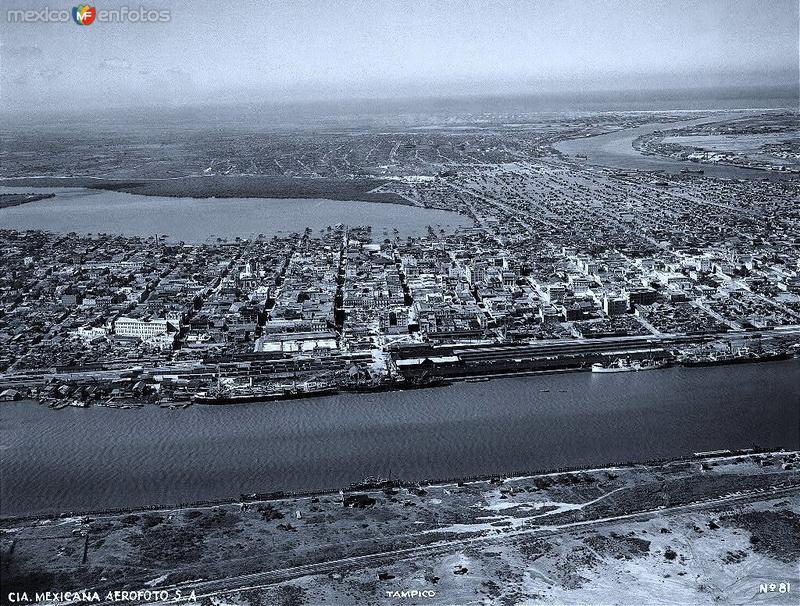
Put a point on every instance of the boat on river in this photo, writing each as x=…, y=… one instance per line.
x=250, y=394
x=743, y=356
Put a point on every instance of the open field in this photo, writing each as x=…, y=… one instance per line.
x=694, y=531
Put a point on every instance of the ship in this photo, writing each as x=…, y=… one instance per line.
x=743, y=356
x=394, y=384
x=627, y=365
x=250, y=395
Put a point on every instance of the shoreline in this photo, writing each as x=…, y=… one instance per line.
x=396, y=386
x=379, y=484
x=224, y=187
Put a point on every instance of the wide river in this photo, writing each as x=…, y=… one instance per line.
x=82, y=459
x=199, y=219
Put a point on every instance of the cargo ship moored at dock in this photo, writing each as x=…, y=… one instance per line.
x=626, y=365
x=250, y=396
x=743, y=356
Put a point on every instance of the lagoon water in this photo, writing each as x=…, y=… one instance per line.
x=195, y=220
x=84, y=459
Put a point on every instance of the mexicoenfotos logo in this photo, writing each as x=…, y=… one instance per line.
x=83, y=14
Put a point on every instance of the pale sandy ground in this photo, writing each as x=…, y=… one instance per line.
x=574, y=571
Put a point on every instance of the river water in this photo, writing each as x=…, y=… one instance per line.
x=195, y=220
x=82, y=459
x=615, y=150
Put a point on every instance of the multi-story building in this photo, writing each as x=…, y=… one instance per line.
x=615, y=306
x=140, y=329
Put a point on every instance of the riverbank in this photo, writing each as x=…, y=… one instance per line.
x=71, y=393
x=545, y=534
x=375, y=484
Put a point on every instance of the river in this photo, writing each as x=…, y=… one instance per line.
x=615, y=150
x=83, y=459
x=199, y=219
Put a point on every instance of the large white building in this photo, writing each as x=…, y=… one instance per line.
x=140, y=329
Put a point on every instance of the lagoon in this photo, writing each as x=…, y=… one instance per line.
x=205, y=219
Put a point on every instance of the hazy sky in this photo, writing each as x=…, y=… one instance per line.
x=275, y=51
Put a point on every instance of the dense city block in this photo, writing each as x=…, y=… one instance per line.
x=565, y=266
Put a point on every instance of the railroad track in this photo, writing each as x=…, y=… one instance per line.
x=261, y=580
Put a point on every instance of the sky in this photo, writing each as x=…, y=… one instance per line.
x=297, y=50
